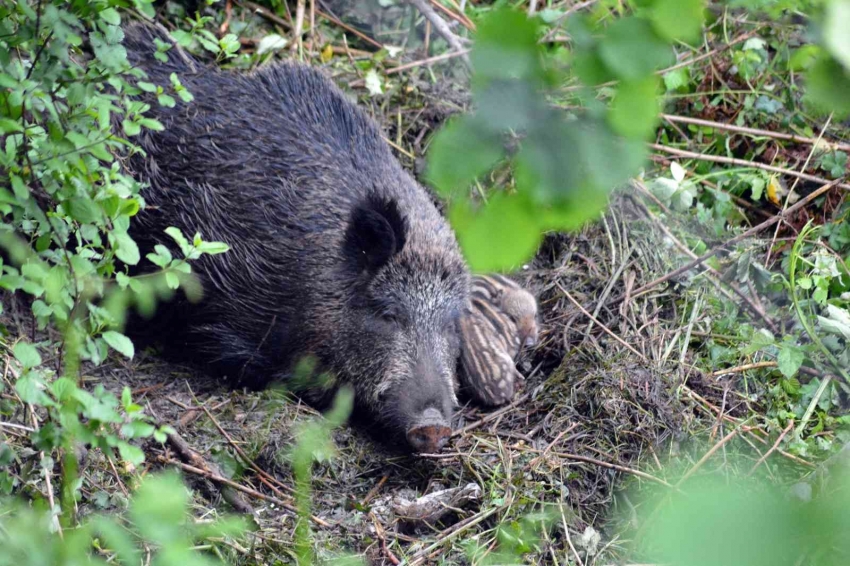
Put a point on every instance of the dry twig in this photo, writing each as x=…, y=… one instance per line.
x=753, y=131
x=743, y=163
x=742, y=236
x=440, y=27
x=774, y=447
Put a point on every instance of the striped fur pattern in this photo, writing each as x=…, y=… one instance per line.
x=502, y=319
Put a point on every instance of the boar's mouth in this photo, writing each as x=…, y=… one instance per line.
x=430, y=433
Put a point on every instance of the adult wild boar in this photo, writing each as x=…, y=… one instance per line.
x=336, y=252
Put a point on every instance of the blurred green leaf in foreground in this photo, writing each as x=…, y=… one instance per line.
x=564, y=165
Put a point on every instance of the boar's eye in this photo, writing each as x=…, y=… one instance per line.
x=391, y=316
x=388, y=316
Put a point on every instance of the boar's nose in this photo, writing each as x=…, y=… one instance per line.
x=430, y=433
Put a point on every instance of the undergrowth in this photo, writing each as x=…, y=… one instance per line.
x=740, y=107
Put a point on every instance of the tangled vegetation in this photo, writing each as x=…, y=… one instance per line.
x=673, y=175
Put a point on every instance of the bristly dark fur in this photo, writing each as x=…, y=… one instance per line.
x=335, y=250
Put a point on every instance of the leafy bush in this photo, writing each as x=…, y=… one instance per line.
x=566, y=164
x=67, y=206
x=159, y=512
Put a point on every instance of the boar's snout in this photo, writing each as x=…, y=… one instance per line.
x=429, y=433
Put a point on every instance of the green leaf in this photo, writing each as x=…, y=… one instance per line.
x=271, y=42
x=836, y=31
x=499, y=237
x=137, y=429
x=827, y=86
x=118, y=540
x=178, y=237
x=632, y=50
x=151, y=124
x=803, y=57
x=213, y=248
x=229, y=43
x=30, y=389
x=836, y=322
x=20, y=189
x=678, y=20
x=172, y=280
x=131, y=128
x=7, y=126
x=790, y=359
x=112, y=55
x=27, y=355
x=127, y=250
x=677, y=79
x=111, y=16
x=634, y=112
x=159, y=508
x=506, y=48
x=130, y=453
x=373, y=83
x=83, y=210
x=760, y=339
x=119, y=343
x=449, y=174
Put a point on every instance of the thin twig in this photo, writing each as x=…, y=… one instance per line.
x=569, y=538
x=711, y=451
x=709, y=54
x=533, y=463
x=228, y=13
x=618, y=467
x=262, y=473
x=428, y=61
x=189, y=456
x=556, y=25
x=48, y=482
x=754, y=131
x=454, y=531
x=267, y=14
x=459, y=7
x=465, y=22
x=743, y=368
x=379, y=530
x=793, y=188
x=742, y=236
x=350, y=29
x=299, y=26
x=374, y=491
x=602, y=326
x=491, y=416
x=742, y=163
x=440, y=27
x=773, y=448
x=728, y=418
x=17, y=426
x=716, y=277
x=237, y=486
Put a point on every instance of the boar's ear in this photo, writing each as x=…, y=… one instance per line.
x=377, y=231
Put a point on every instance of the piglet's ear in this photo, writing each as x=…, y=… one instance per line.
x=376, y=232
